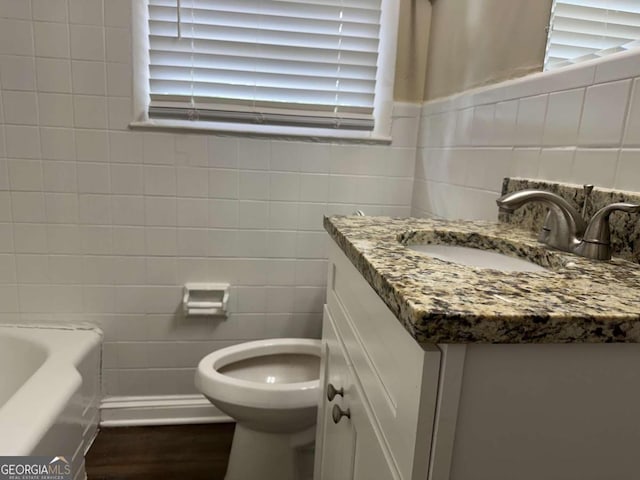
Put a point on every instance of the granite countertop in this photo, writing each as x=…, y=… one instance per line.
x=575, y=300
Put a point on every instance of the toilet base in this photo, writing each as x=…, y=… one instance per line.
x=259, y=455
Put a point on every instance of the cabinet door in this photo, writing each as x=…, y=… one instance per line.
x=349, y=449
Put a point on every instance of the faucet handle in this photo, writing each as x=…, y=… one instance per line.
x=596, y=241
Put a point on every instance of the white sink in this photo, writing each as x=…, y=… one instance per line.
x=475, y=257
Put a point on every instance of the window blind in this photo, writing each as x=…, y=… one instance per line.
x=585, y=29
x=280, y=62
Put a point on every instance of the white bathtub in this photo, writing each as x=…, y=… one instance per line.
x=49, y=391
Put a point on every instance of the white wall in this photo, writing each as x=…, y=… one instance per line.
x=578, y=125
x=102, y=224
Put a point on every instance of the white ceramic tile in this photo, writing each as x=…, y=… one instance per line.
x=504, y=128
x=252, y=299
x=96, y=239
x=6, y=237
x=87, y=42
x=25, y=174
x=66, y=269
x=127, y=210
x=119, y=113
x=15, y=37
x=603, y=114
x=284, y=186
x=129, y=241
x=525, y=162
x=30, y=238
x=311, y=245
x=404, y=132
x=99, y=299
x=628, y=175
x=191, y=150
x=9, y=299
x=126, y=147
x=308, y=299
x=632, y=131
x=61, y=207
x=119, y=80
x=223, y=213
x=563, y=118
x=51, y=39
x=15, y=9
x=49, y=10
x=57, y=143
x=161, y=241
x=28, y=207
x=159, y=148
x=20, y=108
x=253, y=186
x=253, y=214
x=22, y=141
x=89, y=111
x=86, y=12
x=7, y=269
x=62, y=239
x=618, y=66
x=252, y=243
x=310, y=216
x=126, y=179
x=161, y=271
x=595, y=166
x=487, y=168
x=530, y=120
x=193, y=242
x=254, y=154
x=95, y=209
x=284, y=215
x=159, y=180
x=193, y=212
x=5, y=207
x=160, y=211
x=54, y=75
x=4, y=175
x=88, y=77
x=56, y=110
x=192, y=182
x=118, y=44
x=93, y=178
x=314, y=187
x=17, y=73
x=32, y=268
x=92, y=145
x=117, y=13
x=223, y=152
x=483, y=125
x=556, y=164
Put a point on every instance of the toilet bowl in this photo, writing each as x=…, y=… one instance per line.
x=271, y=389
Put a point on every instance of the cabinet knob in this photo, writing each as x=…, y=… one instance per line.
x=333, y=391
x=337, y=413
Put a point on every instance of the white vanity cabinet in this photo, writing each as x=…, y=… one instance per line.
x=467, y=411
x=389, y=386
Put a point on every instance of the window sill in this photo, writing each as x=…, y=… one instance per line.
x=270, y=131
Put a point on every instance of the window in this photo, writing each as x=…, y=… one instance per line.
x=295, y=63
x=586, y=29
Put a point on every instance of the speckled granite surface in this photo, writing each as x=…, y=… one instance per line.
x=576, y=300
x=625, y=228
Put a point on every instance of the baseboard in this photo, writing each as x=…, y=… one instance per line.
x=159, y=410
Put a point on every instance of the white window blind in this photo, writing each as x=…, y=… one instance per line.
x=585, y=29
x=282, y=62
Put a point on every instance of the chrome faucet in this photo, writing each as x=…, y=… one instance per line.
x=564, y=227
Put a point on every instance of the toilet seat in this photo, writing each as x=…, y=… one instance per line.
x=225, y=388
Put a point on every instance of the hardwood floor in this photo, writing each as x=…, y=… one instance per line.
x=175, y=452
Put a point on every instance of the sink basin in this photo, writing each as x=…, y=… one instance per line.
x=478, y=258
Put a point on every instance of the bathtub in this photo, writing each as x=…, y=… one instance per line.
x=49, y=391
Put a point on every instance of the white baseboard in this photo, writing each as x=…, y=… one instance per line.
x=159, y=410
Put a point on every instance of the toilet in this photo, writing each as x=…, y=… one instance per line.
x=271, y=389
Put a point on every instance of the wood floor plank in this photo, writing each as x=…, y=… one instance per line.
x=174, y=452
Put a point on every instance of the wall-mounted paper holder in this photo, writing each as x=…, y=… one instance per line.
x=209, y=299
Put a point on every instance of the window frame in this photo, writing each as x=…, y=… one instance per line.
x=383, y=103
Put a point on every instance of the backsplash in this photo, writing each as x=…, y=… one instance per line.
x=625, y=228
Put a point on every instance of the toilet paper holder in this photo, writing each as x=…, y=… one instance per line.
x=210, y=299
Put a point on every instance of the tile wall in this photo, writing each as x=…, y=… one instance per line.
x=578, y=125
x=104, y=225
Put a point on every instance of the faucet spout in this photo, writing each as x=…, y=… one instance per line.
x=565, y=225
